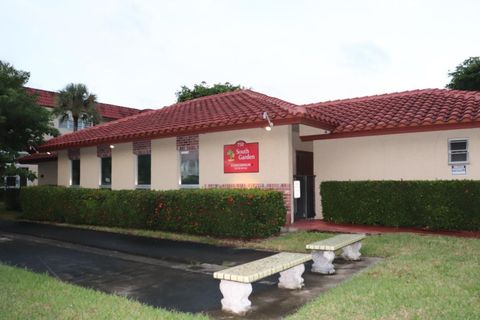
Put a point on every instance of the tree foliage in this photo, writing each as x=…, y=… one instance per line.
x=203, y=89
x=466, y=75
x=76, y=101
x=23, y=124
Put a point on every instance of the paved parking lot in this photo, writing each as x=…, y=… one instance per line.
x=169, y=274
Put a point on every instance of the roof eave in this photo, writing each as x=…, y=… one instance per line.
x=377, y=132
x=155, y=135
x=37, y=160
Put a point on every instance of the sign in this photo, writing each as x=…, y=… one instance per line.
x=459, y=170
x=296, y=189
x=240, y=157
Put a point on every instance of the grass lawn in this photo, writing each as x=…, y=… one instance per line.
x=422, y=277
x=26, y=295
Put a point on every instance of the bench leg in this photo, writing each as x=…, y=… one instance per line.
x=322, y=262
x=292, y=278
x=235, y=296
x=352, y=252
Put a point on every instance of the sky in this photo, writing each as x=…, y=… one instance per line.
x=139, y=53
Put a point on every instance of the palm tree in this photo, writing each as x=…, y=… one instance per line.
x=75, y=101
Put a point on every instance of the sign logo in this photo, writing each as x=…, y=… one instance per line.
x=240, y=157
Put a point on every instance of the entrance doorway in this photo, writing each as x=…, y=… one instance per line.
x=304, y=201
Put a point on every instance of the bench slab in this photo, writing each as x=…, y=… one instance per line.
x=335, y=243
x=259, y=269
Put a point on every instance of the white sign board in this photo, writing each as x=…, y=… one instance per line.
x=296, y=189
x=459, y=170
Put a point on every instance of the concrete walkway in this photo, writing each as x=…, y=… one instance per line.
x=320, y=225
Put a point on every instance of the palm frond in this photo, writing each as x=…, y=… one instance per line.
x=75, y=100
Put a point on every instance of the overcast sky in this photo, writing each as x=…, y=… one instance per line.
x=139, y=53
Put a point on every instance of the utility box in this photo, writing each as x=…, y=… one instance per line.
x=304, y=196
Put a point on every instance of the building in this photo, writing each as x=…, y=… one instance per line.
x=46, y=99
x=245, y=139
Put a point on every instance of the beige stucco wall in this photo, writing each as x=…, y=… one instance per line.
x=123, y=166
x=275, y=156
x=165, y=164
x=63, y=168
x=410, y=156
x=89, y=168
x=275, y=161
x=47, y=173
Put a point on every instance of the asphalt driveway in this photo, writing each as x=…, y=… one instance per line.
x=162, y=273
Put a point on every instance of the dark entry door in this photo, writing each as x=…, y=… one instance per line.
x=305, y=204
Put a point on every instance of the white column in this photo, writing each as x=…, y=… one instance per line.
x=292, y=278
x=322, y=262
x=235, y=296
x=352, y=252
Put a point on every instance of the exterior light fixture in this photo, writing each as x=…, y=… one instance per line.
x=270, y=124
x=112, y=146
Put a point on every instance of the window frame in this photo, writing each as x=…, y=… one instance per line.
x=142, y=186
x=67, y=123
x=450, y=151
x=188, y=186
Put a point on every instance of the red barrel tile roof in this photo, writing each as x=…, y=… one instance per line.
x=108, y=111
x=407, y=110
x=418, y=110
x=221, y=112
x=35, y=158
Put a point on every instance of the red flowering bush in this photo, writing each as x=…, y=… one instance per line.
x=243, y=213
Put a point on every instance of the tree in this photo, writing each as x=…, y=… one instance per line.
x=75, y=101
x=23, y=124
x=202, y=90
x=466, y=75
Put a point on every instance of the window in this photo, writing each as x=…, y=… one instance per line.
x=67, y=123
x=106, y=172
x=457, y=151
x=75, y=173
x=11, y=182
x=189, y=171
x=143, y=170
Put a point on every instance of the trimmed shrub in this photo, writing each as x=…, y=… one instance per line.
x=12, y=199
x=244, y=213
x=436, y=205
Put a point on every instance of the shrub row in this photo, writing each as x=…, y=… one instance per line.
x=11, y=197
x=216, y=212
x=440, y=205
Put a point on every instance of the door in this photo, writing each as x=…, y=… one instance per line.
x=304, y=205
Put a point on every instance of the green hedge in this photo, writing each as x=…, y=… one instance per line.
x=216, y=212
x=436, y=205
x=12, y=199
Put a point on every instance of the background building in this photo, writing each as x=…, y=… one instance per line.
x=47, y=172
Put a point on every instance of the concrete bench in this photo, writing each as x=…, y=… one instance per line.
x=236, y=282
x=323, y=251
